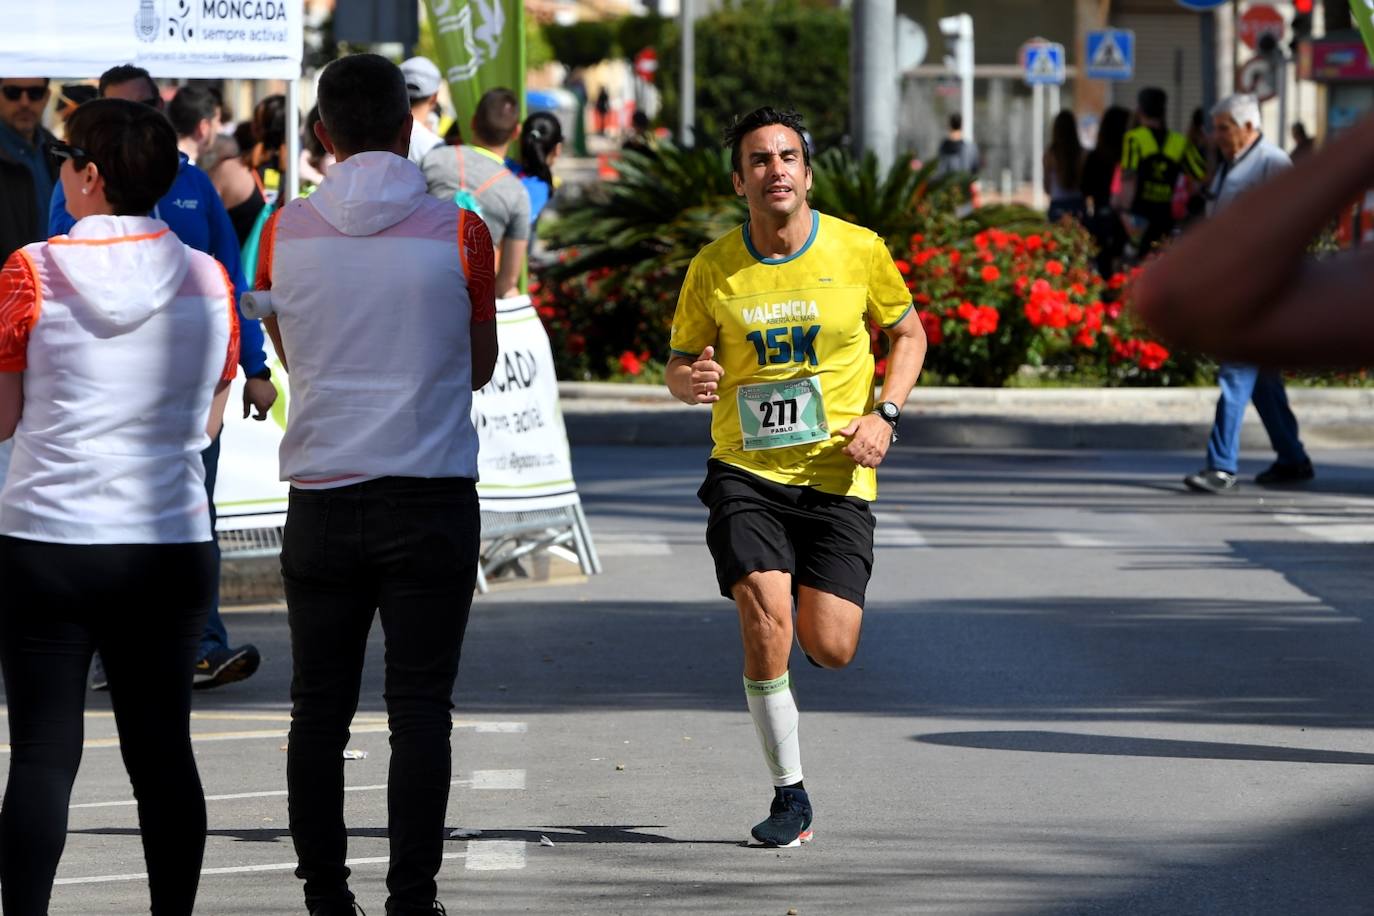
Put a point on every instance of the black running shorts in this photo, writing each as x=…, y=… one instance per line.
x=824, y=541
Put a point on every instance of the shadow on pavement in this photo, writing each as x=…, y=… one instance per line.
x=1046, y=742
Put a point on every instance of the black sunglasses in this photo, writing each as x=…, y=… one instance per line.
x=35, y=93
x=57, y=151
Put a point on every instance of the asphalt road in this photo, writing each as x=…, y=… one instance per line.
x=1080, y=690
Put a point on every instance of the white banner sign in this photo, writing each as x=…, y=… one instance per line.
x=246, y=39
x=524, y=463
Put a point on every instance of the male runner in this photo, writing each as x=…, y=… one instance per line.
x=772, y=330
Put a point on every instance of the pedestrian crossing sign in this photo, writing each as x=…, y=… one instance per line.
x=1111, y=54
x=1044, y=63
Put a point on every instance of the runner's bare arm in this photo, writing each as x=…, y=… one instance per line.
x=1240, y=287
x=694, y=381
x=870, y=435
x=269, y=324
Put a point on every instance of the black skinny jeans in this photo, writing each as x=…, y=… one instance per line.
x=142, y=606
x=407, y=548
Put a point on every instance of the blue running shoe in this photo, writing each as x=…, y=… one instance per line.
x=789, y=820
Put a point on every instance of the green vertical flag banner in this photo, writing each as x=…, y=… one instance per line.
x=481, y=45
x=1363, y=12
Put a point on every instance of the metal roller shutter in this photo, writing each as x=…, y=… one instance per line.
x=1168, y=55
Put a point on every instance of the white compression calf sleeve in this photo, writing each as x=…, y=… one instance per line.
x=774, y=710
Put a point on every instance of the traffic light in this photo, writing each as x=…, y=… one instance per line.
x=1302, y=23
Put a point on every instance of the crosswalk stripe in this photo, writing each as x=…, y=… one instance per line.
x=894, y=531
x=249, y=869
x=495, y=855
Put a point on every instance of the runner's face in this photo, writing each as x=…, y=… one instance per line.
x=774, y=177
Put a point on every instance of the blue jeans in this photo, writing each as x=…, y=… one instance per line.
x=215, y=635
x=404, y=549
x=1239, y=386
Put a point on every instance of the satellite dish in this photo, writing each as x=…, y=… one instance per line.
x=911, y=44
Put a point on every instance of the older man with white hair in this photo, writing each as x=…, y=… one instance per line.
x=1248, y=161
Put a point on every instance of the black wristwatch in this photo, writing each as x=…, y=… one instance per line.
x=889, y=412
x=264, y=373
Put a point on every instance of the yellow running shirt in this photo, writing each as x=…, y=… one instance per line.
x=792, y=335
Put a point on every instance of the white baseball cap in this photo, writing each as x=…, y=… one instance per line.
x=422, y=77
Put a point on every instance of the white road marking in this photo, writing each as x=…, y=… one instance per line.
x=1335, y=529
x=495, y=779
x=248, y=869
x=633, y=545
x=1079, y=539
x=894, y=531
x=480, y=780
x=495, y=855
x=373, y=727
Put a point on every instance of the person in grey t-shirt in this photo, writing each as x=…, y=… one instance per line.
x=1248, y=161
x=476, y=176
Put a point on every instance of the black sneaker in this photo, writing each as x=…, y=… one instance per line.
x=225, y=666
x=1278, y=474
x=98, y=679
x=1210, y=481
x=789, y=820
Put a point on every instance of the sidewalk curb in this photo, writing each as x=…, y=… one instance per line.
x=599, y=413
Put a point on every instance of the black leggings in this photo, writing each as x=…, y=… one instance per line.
x=142, y=606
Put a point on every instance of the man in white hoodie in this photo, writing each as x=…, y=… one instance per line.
x=385, y=319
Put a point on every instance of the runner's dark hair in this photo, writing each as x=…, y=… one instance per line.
x=190, y=106
x=497, y=116
x=764, y=117
x=134, y=148
x=125, y=73
x=539, y=135
x=363, y=103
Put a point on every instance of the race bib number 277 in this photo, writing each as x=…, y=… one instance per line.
x=779, y=414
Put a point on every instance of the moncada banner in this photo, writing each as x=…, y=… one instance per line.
x=209, y=39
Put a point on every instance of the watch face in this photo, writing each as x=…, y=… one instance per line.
x=888, y=411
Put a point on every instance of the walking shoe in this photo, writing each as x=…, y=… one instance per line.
x=789, y=820
x=224, y=666
x=1278, y=474
x=98, y=679
x=1210, y=481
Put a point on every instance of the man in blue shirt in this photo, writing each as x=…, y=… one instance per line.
x=26, y=177
x=193, y=210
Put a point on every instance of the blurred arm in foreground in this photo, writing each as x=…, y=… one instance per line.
x=1241, y=288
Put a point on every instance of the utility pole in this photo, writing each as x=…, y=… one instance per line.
x=687, y=107
x=873, y=79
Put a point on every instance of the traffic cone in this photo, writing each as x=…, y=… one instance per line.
x=605, y=167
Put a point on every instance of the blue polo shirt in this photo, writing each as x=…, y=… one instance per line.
x=193, y=210
x=32, y=158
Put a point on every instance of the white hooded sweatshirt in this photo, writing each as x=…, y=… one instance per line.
x=374, y=284
x=122, y=333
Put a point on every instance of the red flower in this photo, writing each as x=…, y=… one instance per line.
x=955, y=256
x=990, y=274
x=982, y=321
x=577, y=343
x=1085, y=338
x=966, y=310
x=1033, y=242
x=1152, y=356
x=903, y=266
x=630, y=364
x=1054, y=268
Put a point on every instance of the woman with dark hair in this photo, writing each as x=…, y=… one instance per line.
x=249, y=182
x=1099, y=173
x=1064, y=169
x=541, y=142
x=117, y=344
